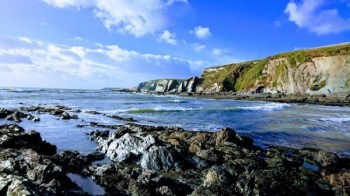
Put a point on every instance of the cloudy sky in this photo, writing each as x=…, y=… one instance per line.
x=119, y=43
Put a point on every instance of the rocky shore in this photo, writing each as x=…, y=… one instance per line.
x=330, y=99
x=149, y=160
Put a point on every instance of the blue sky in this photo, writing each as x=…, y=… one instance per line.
x=119, y=43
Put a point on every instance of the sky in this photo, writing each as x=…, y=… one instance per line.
x=93, y=44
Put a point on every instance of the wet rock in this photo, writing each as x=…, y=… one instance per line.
x=206, y=163
x=72, y=162
x=225, y=135
x=12, y=136
x=95, y=156
x=26, y=167
x=16, y=116
x=32, y=118
x=319, y=157
x=130, y=119
x=4, y=112
x=92, y=112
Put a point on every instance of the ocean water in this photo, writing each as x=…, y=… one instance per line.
x=291, y=125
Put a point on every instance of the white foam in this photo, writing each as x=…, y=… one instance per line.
x=266, y=107
x=336, y=119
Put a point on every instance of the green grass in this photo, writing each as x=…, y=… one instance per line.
x=341, y=49
x=280, y=73
x=318, y=86
x=251, y=73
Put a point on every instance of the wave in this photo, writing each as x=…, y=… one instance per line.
x=160, y=109
x=177, y=101
x=23, y=90
x=336, y=119
x=267, y=107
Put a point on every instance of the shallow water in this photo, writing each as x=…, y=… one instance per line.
x=292, y=125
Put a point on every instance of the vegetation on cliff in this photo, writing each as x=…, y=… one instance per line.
x=290, y=72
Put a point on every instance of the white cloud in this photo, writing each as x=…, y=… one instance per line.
x=198, y=47
x=77, y=38
x=311, y=15
x=136, y=17
x=47, y=64
x=220, y=52
x=168, y=37
x=25, y=39
x=201, y=32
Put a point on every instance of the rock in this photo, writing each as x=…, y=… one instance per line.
x=4, y=112
x=26, y=167
x=72, y=162
x=16, y=138
x=95, y=156
x=130, y=119
x=65, y=116
x=153, y=160
x=15, y=116
x=225, y=135
x=32, y=118
x=92, y=112
x=320, y=157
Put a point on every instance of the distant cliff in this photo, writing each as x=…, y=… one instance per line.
x=170, y=86
x=321, y=70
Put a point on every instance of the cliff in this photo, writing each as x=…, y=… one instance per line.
x=324, y=70
x=314, y=71
x=171, y=86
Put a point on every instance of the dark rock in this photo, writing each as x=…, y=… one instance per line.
x=65, y=116
x=72, y=162
x=26, y=167
x=95, y=156
x=15, y=116
x=130, y=119
x=319, y=157
x=225, y=135
x=92, y=112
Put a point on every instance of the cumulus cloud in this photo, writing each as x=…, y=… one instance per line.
x=311, y=15
x=54, y=65
x=201, y=32
x=168, y=37
x=136, y=17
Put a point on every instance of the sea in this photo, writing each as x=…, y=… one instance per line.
x=269, y=123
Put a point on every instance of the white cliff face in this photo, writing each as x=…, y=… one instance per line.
x=321, y=75
x=164, y=85
x=172, y=86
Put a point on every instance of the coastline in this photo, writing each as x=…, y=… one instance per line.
x=342, y=100
x=151, y=160
x=137, y=159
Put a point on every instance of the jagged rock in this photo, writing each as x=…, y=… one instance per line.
x=26, y=167
x=320, y=157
